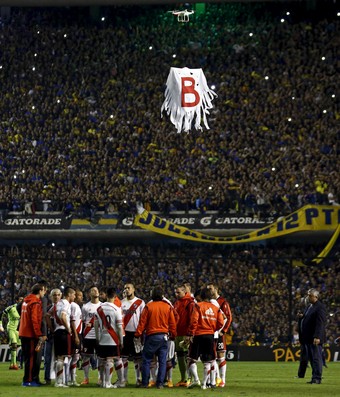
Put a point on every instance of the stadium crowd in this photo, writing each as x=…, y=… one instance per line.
x=256, y=282
x=80, y=111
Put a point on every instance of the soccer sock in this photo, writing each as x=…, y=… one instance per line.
x=86, y=365
x=73, y=367
x=67, y=361
x=182, y=366
x=108, y=371
x=169, y=370
x=213, y=372
x=192, y=369
x=138, y=365
x=13, y=356
x=206, y=372
x=222, y=364
x=119, y=369
x=126, y=367
x=101, y=370
x=59, y=371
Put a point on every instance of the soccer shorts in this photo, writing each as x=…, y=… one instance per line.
x=221, y=345
x=129, y=346
x=13, y=337
x=105, y=351
x=89, y=346
x=203, y=346
x=62, y=343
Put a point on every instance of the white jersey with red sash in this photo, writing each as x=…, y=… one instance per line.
x=76, y=316
x=88, y=313
x=132, y=310
x=110, y=324
x=63, y=306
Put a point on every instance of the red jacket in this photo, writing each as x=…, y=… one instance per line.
x=209, y=318
x=31, y=317
x=186, y=321
x=157, y=317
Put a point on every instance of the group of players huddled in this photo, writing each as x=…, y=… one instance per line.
x=154, y=335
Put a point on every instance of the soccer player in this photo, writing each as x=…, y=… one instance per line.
x=13, y=318
x=184, y=306
x=62, y=337
x=76, y=325
x=108, y=327
x=209, y=319
x=49, y=344
x=158, y=322
x=89, y=311
x=221, y=342
x=132, y=308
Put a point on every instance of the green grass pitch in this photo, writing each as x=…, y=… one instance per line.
x=244, y=379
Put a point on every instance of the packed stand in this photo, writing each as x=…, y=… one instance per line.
x=255, y=281
x=80, y=104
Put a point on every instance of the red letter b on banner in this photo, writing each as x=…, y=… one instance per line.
x=188, y=87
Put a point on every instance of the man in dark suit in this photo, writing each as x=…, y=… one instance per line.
x=313, y=335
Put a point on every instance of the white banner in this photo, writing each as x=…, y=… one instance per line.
x=187, y=97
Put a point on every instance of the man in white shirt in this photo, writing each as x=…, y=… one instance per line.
x=89, y=311
x=108, y=327
x=62, y=337
x=132, y=308
x=76, y=325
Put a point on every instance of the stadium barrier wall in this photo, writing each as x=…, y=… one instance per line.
x=245, y=353
x=276, y=353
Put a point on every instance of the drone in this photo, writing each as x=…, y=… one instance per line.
x=182, y=16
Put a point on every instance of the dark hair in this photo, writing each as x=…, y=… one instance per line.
x=157, y=293
x=205, y=293
x=111, y=293
x=37, y=288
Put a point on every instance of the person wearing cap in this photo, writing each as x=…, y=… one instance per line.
x=313, y=334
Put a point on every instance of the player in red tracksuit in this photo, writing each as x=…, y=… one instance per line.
x=221, y=342
x=186, y=324
x=31, y=335
x=209, y=319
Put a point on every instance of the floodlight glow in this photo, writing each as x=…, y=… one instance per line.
x=213, y=87
x=287, y=13
x=33, y=68
x=150, y=48
x=273, y=169
x=266, y=78
x=103, y=19
x=251, y=34
x=174, y=55
x=296, y=185
x=282, y=20
x=323, y=58
x=293, y=97
x=65, y=35
x=35, y=54
x=324, y=111
x=289, y=119
x=333, y=96
x=33, y=107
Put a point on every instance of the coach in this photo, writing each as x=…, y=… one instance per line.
x=312, y=336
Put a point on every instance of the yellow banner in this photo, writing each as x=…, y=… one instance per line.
x=308, y=218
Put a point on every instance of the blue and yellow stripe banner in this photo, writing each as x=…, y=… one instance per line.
x=308, y=218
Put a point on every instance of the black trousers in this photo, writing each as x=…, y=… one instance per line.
x=32, y=359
